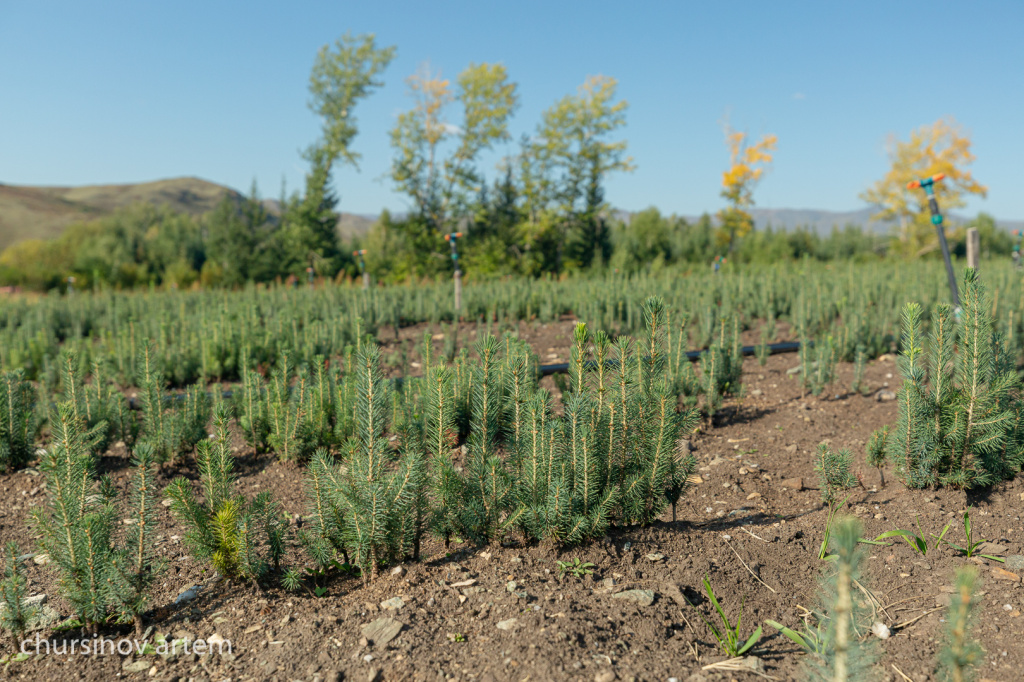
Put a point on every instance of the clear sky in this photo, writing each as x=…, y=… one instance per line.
x=116, y=92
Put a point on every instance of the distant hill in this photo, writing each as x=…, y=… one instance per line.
x=44, y=212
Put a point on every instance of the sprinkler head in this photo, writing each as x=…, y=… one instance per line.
x=926, y=182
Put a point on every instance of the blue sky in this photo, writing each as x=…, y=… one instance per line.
x=111, y=92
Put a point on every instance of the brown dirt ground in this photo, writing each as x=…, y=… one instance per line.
x=572, y=629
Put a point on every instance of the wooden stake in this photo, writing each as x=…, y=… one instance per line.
x=973, y=248
x=458, y=293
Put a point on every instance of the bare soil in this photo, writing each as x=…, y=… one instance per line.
x=755, y=512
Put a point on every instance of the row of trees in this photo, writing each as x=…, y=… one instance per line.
x=544, y=212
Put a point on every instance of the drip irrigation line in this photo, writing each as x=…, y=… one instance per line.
x=692, y=356
x=559, y=368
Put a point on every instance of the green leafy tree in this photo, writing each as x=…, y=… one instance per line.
x=435, y=160
x=342, y=76
x=564, y=168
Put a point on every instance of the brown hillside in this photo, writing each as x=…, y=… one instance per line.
x=44, y=212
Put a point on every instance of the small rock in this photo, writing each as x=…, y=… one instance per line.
x=792, y=483
x=1002, y=574
x=885, y=396
x=717, y=461
x=167, y=502
x=130, y=666
x=215, y=639
x=638, y=597
x=753, y=496
x=608, y=583
x=791, y=448
x=392, y=604
x=606, y=676
x=655, y=556
x=510, y=624
x=287, y=619
x=373, y=676
x=511, y=586
x=188, y=594
x=41, y=559
x=757, y=393
x=880, y=630
x=382, y=630
x=991, y=548
x=1015, y=562
x=398, y=571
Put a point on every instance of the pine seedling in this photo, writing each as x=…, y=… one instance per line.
x=171, y=429
x=961, y=655
x=321, y=403
x=763, y=350
x=15, y=614
x=324, y=537
x=19, y=421
x=251, y=407
x=376, y=491
x=962, y=430
x=877, y=451
x=288, y=413
x=712, y=365
x=683, y=465
x=834, y=478
x=859, y=363
x=440, y=437
x=95, y=404
x=488, y=499
x=911, y=438
x=345, y=404
x=240, y=538
x=75, y=526
x=536, y=466
x=846, y=658
x=137, y=563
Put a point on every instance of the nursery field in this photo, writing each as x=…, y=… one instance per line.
x=323, y=483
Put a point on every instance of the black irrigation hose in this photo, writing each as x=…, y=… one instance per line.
x=692, y=356
x=547, y=370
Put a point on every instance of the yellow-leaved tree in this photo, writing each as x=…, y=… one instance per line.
x=747, y=165
x=942, y=147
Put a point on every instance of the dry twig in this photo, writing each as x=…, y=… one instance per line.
x=748, y=567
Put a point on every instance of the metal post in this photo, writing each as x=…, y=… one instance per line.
x=452, y=238
x=928, y=185
x=973, y=248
